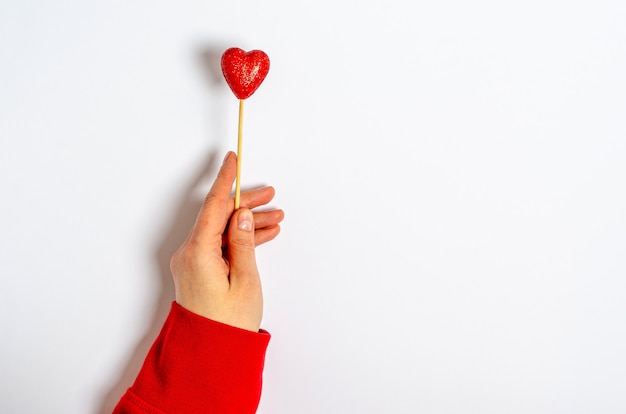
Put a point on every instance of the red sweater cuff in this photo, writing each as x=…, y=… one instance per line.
x=197, y=365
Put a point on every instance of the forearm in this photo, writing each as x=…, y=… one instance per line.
x=197, y=365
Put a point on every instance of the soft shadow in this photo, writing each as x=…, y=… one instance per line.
x=182, y=221
x=208, y=59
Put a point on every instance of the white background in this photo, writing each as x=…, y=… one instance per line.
x=453, y=175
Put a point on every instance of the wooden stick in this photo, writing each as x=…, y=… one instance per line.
x=239, y=135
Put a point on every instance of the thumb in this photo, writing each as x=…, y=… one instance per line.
x=241, y=245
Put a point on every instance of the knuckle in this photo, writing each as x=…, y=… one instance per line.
x=183, y=258
x=213, y=199
x=241, y=244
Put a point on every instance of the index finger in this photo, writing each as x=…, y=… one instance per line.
x=215, y=212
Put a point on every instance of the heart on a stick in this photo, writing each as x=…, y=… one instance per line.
x=244, y=71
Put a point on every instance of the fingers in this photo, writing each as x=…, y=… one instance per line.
x=218, y=207
x=215, y=210
x=265, y=235
x=255, y=198
x=264, y=219
x=241, y=245
x=266, y=226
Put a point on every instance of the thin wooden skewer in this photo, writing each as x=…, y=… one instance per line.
x=239, y=140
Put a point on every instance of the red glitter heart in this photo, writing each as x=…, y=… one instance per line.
x=244, y=71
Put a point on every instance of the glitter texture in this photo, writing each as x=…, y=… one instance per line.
x=244, y=71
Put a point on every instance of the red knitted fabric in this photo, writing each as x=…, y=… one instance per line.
x=197, y=365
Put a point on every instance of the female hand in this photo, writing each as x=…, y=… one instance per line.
x=215, y=272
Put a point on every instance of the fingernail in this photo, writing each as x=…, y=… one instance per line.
x=226, y=157
x=244, y=220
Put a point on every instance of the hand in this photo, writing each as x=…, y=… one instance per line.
x=215, y=272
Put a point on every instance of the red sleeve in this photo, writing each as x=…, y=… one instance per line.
x=197, y=365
